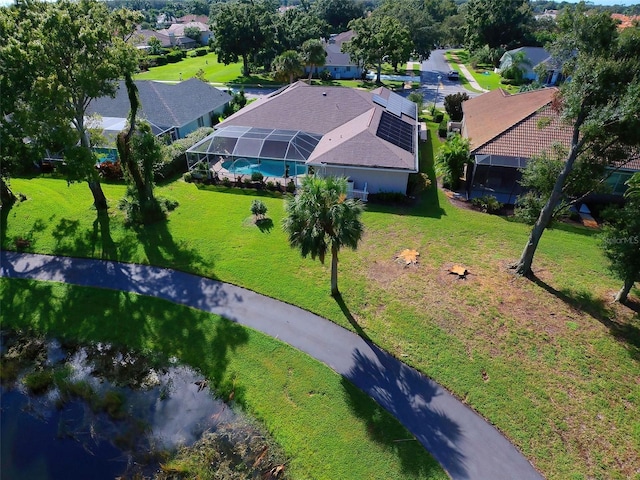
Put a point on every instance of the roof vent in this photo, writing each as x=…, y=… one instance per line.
x=324, y=94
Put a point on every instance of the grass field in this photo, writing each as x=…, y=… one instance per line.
x=329, y=428
x=218, y=73
x=483, y=74
x=551, y=362
x=214, y=72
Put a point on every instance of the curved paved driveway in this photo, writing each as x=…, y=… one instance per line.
x=465, y=444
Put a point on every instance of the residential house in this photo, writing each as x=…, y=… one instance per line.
x=505, y=131
x=174, y=110
x=193, y=18
x=142, y=36
x=547, y=14
x=625, y=21
x=369, y=137
x=178, y=38
x=338, y=63
x=533, y=57
x=164, y=20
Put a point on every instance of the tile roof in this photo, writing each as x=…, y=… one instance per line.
x=164, y=104
x=533, y=135
x=521, y=125
x=489, y=115
x=346, y=118
x=626, y=21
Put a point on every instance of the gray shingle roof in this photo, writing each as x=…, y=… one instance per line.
x=346, y=118
x=164, y=104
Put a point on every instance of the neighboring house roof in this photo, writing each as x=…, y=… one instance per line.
x=178, y=29
x=335, y=57
x=519, y=125
x=312, y=109
x=163, y=104
x=356, y=126
x=193, y=18
x=142, y=37
x=626, y=21
x=534, y=56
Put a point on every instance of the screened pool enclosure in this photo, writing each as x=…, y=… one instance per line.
x=244, y=150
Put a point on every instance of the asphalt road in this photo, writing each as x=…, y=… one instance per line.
x=437, y=66
x=467, y=446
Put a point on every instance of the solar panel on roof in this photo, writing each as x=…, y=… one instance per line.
x=379, y=100
x=394, y=104
x=394, y=130
x=409, y=108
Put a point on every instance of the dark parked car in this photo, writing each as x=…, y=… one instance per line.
x=453, y=75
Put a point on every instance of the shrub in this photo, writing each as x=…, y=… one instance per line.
x=39, y=382
x=110, y=170
x=159, y=60
x=325, y=76
x=438, y=116
x=174, y=161
x=418, y=182
x=246, y=182
x=226, y=182
x=487, y=203
x=442, y=128
x=257, y=177
x=258, y=209
x=187, y=177
x=393, y=198
x=175, y=56
x=528, y=207
x=271, y=185
x=450, y=160
x=201, y=52
x=291, y=186
x=453, y=105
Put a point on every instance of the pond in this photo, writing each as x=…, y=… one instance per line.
x=100, y=412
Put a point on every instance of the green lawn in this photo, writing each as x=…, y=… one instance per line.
x=214, y=72
x=219, y=73
x=552, y=362
x=483, y=74
x=329, y=428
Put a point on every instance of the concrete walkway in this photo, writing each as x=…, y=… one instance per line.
x=465, y=444
x=470, y=78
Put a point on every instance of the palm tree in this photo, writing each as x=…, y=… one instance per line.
x=288, y=65
x=321, y=218
x=633, y=191
x=313, y=54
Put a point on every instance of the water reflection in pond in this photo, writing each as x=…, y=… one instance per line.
x=77, y=412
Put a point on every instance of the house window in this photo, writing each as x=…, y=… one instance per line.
x=201, y=122
x=348, y=69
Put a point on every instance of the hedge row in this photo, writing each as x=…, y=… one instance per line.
x=175, y=161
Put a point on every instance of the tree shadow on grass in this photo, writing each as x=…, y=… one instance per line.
x=601, y=311
x=347, y=313
x=136, y=322
x=162, y=250
x=265, y=225
x=401, y=392
x=101, y=230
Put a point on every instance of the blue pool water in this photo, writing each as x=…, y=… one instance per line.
x=268, y=168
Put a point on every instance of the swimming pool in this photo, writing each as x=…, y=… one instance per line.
x=268, y=168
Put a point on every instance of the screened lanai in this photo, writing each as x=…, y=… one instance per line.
x=244, y=150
